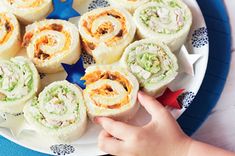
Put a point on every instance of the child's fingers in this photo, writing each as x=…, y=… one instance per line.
x=109, y=144
x=152, y=106
x=117, y=129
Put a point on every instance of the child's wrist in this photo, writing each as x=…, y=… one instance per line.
x=183, y=148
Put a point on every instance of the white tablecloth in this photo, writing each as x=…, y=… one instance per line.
x=219, y=128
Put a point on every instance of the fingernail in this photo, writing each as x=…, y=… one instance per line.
x=141, y=92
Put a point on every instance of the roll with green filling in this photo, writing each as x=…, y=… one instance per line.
x=168, y=21
x=19, y=82
x=152, y=63
x=58, y=113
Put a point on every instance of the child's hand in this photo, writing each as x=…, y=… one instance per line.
x=160, y=137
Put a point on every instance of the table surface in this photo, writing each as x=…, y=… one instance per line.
x=218, y=129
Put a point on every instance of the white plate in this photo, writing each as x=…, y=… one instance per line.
x=197, y=43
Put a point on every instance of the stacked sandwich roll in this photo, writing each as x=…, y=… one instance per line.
x=130, y=5
x=111, y=91
x=28, y=11
x=152, y=63
x=59, y=112
x=168, y=21
x=52, y=42
x=19, y=82
x=106, y=32
x=9, y=35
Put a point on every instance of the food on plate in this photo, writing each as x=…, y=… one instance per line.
x=106, y=32
x=19, y=82
x=166, y=20
x=59, y=112
x=111, y=91
x=9, y=35
x=52, y=42
x=130, y=5
x=152, y=63
x=28, y=11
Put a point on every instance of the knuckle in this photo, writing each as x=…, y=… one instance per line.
x=133, y=154
x=130, y=153
x=138, y=136
x=164, y=112
x=101, y=144
x=110, y=128
x=101, y=136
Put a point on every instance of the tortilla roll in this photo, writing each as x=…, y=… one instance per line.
x=28, y=11
x=106, y=32
x=130, y=5
x=168, y=21
x=52, y=42
x=19, y=82
x=110, y=91
x=152, y=63
x=59, y=112
x=9, y=35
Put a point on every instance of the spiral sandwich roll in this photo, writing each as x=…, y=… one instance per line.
x=28, y=11
x=19, y=82
x=130, y=5
x=168, y=21
x=52, y=42
x=152, y=63
x=9, y=35
x=111, y=91
x=106, y=32
x=59, y=112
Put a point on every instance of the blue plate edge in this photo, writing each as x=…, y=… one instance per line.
x=186, y=123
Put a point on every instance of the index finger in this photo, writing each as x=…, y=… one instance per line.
x=117, y=129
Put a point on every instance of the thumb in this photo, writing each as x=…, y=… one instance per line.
x=152, y=106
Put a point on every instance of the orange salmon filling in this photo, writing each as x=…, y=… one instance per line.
x=106, y=89
x=103, y=29
x=45, y=40
x=8, y=26
x=36, y=3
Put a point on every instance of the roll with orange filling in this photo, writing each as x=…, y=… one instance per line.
x=9, y=35
x=106, y=32
x=52, y=42
x=110, y=91
x=28, y=11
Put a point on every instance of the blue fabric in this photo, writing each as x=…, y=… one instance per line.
x=218, y=67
